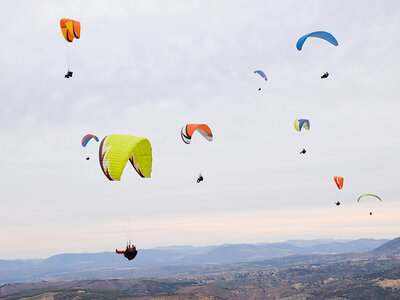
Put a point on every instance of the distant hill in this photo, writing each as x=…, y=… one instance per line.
x=168, y=260
x=390, y=247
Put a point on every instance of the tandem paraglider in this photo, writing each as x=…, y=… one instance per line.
x=130, y=252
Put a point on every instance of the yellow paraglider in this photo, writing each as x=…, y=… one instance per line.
x=115, y=151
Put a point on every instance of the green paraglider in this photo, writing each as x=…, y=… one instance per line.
x=372, y=195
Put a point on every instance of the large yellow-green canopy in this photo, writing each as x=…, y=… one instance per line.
x=116, y=149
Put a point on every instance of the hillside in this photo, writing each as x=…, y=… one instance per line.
x=390, y=247
x=375, y=278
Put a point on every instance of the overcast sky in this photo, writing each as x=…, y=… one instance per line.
x=146, y=68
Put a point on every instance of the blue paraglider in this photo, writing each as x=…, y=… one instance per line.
x=318, y=34
x=261, y=73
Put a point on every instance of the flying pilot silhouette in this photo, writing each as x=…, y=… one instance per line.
x=200, y=179
x=69, y=74
x=325, y=75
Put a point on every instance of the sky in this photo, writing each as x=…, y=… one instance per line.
x=147, y=68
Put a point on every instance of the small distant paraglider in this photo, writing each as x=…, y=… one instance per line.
x=187, y=132
x=86, y=139
x=70, y=29
x=325, y=75
x=130, y=252
x=371, y=195
x=262, y=74
x=299, y=124
x=339, y=183
x=318, y=34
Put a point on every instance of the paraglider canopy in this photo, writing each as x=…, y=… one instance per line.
x=301, y=123
x=188, y=130
x=70, y=29
x=339, y=181
x=87, y=138
x=261, y=73
x=372, y=195
x=116, y=149
x=318, y=34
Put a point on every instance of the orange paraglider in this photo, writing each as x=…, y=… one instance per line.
x=339, y=181
x=70, y=29
x=188, y=130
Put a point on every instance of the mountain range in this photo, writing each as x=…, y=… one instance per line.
x=158, y=261
x=372, y=274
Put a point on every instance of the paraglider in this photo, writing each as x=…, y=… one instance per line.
x=299, y=124
x=116, y=149
x=187, y=132
x=325, y=75
x=262, y=74
x=130, y=252
x=317, y=34
x=370, y=195
x=339, y=183
x=70, y=29
x=85, y=140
